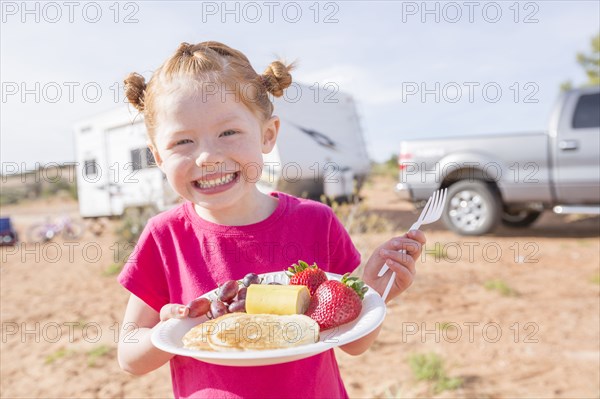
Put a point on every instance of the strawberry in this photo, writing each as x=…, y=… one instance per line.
x=303, y=274
x=337, y=302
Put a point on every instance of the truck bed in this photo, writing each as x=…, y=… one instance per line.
x=426, y=163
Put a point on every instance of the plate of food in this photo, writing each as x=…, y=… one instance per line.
x=273, y=318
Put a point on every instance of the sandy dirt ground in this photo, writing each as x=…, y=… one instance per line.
x=512, y=315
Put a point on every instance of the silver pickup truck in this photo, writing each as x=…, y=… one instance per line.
x=511, y=178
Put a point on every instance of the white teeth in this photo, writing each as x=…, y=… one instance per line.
x=216, y=182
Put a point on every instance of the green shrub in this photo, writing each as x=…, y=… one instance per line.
x=59, y=354
x=114, y=268
x=97, y=353
x=356, y=217
x=388, y=168
x=128, y=232
x=430, y=367
x=500, y=286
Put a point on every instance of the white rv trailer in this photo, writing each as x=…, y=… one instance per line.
x=320, y=150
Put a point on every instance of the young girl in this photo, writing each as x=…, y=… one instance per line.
x=209, y=120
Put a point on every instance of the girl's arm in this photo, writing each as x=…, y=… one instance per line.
x=402, y=264
x=360, y=346
x=136, y=354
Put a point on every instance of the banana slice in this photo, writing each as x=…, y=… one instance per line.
x=277, y=299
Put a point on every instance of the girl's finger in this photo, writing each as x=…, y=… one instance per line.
x=411, y=246
x=404, y=277
x=417, y=235
x=401, y=259
x=398, y=243
x=173, y=311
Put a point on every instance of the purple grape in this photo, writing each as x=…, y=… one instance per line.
x=242, y=293
x=238, y=306
x=198, y=307
x=251, y=278
x=228, y=291
x=218, y=309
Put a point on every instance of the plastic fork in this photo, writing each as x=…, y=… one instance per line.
x=431, y=213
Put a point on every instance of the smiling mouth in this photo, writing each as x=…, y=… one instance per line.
x=220, y=181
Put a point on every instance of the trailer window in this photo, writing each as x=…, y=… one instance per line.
x=587, y=112
x=90, y=168
x=150, y=161
x=142, y=158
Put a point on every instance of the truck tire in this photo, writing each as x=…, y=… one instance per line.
x=520, y=219
x=473, y=208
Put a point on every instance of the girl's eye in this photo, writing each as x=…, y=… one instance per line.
x=184, y=141
x=228, y=133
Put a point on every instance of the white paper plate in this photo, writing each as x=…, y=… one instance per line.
x=167, y=335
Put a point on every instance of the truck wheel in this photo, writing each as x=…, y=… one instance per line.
x=473, y=208
x=521, y=218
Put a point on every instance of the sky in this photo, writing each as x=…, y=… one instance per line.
x=414, y=69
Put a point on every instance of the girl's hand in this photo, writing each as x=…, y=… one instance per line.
x=173, y=311
x=401, y=263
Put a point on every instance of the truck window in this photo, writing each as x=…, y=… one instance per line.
x=587, y=112
x=142, y=158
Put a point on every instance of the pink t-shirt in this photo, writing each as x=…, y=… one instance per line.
x=180, y=256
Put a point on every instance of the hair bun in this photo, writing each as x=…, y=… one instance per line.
x=277, y=78
x=135, y=90
x=185, y=49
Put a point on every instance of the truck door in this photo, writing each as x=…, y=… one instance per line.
x=577, y=148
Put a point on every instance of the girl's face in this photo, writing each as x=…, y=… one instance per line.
x=211, y=149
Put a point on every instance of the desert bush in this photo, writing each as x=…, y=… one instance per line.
x=58, y=354
x=430, y=367
x=388, y=168
x=10, y=197
x=133, y=222
x=97, y=353
x=115, y=268
x=128, y=232
x=356, y=217
x=500, y=286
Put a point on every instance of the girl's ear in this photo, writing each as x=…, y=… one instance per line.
x=269, y=134
x=155, y=154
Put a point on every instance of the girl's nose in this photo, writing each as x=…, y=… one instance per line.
x=208, y=156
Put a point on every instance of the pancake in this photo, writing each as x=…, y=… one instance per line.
x=241, y=331
x=197, y=337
